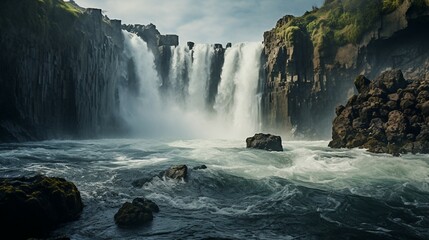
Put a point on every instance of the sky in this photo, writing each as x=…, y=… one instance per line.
x=204, y=21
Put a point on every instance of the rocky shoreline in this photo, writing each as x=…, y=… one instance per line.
x=388, y=115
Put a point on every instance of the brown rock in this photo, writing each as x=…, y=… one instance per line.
x=425, y=108
x=176, y=172
x=362, y=84
x=265, y=142
x=390, y=81
x=395, y=126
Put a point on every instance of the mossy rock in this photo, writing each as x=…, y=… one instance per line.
x=32, y=207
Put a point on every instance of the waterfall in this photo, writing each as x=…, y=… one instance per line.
x=183, y=109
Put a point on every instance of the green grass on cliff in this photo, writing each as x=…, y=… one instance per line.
x=37, y=16
x=51, y=20
x=339, y=22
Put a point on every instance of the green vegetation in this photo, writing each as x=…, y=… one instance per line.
x=391, y=5
x=339, y=22
x=52, y=19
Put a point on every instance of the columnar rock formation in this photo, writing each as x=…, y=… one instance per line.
x=311, y=61
x=58, y=70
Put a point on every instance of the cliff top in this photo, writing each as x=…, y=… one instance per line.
x=339, y=22
x=36, y=14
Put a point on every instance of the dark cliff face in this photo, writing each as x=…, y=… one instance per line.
x=311, y=61
x=58, y=70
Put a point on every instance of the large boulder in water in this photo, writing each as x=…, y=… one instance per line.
x=265, y=141
x=389, y=115
x=139, y=212
x=32, y=207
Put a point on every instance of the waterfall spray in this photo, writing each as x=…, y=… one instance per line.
x=183, y=109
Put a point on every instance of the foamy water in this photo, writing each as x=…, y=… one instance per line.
x=308, y=191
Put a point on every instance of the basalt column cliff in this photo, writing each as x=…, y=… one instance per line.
x=60, y=70
x=311, y=61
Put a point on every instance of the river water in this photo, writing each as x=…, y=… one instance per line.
x=309, y=191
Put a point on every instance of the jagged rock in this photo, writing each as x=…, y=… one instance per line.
x=136, y=213
x=179, y=172
x=391, y=123
x=32, y=207
x=190, y=45
x=390, y=81
x=265, y=141
x=362, y=84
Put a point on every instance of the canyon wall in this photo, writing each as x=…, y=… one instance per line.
x=58, y=71
x=311, y=61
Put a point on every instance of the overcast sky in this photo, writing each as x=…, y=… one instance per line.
x=204, y=21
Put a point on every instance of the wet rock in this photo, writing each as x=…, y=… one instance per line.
x=265, y=141
x=395, y=122
x=132, y=215
x=200, y=167
x=179, y=172
x=146, y=204
x=32, y=207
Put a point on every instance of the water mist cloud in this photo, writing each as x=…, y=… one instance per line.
x=207, y=21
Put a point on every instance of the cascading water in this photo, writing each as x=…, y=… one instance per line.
x=184, y=108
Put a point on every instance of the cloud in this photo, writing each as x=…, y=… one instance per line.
x=205, y=21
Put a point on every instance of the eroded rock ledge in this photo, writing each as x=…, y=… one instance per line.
x=388, y=115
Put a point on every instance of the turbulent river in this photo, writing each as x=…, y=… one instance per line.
x=306, y=192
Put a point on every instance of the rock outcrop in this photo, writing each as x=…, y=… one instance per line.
x=32, y=207
x=134, y=214
x=388, y=115
x=265, y=142
x=311, y=61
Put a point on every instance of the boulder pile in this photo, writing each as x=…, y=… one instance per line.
x=388, y=115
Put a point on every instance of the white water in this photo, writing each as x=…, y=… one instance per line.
x=246, y=194
x=183, y=110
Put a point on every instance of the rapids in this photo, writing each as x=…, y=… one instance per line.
x=309, y=191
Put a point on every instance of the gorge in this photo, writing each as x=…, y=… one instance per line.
x=305, y=69
x=115, y=108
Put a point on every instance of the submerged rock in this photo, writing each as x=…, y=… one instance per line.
x=265, y=141
x=140, y=182
x=388, y=115
x=139, y=212
x=32, y=207
x=200, y=167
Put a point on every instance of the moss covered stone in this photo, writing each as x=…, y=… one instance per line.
x=31, y=207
